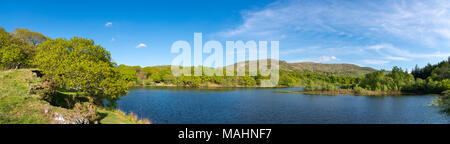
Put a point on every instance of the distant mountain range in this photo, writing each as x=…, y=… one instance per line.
x=338, y=69
x=332, y=68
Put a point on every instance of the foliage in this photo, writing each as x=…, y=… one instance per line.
x=11, y=57
x=395, y=80
x=398, y=80
x=29, y=36
x=78, y=64
x=162, y=75
x=439, y=71
x=14, y=52
x=128, y=74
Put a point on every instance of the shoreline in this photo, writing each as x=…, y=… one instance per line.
x=201, y=87
x=352, y=92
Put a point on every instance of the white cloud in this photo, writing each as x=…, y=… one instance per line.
x=317, y=59
x=326, y=58
x=141, y=45
x=108, y=24
x=397, y=58
x=375, y=62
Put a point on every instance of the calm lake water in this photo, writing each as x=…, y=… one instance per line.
x=261, y=106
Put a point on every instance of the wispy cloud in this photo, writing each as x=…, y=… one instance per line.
x=345, y=29
x=317, y=59
x=327, y=58
x=108, y=24
x=389, y=53
x=394, y=53
x=426, y=22
x=141, y=45
x=375, y=62
x=397, y=58
x=297, y=50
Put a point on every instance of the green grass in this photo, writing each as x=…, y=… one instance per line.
x=118, y=117
x=348, y=92
x=17, y=105
x=109, y=117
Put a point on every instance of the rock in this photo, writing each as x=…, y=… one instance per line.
x=59, y=118
x=79, y=120
x=46, y=110
x=69, y=119
x=82, y=113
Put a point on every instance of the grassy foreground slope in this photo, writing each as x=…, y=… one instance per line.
x=19, y=106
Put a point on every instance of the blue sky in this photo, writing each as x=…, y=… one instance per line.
x=379, y=34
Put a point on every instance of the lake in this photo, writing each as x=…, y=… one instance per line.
x=263, y=106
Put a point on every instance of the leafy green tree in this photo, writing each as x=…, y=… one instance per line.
x=11, y=57
x=29, y=36
x=400, y=78
x=442, y=71
x=78, y=64
x=128, y=73
x=13, y=51
x=428, y=70
x=4, y=37
x=156, y=77
x=373, y=80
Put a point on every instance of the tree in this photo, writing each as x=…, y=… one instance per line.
x=13, y=51
x=29, y=36
x=373, y=80
x=400, y=78
x=156, y=77
x=11, y=57
x=128, y=73
x=439, y=71
x=442, y=71
x=78, y=64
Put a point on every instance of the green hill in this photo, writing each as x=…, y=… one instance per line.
x=337, y=69
x=340, y=69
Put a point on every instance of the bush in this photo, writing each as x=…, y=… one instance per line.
x=46, y=89
x=86, y=110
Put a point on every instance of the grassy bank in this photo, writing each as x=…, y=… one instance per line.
x=19, y=106
x=119, y=117
x=348, y=92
